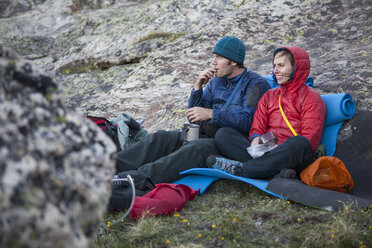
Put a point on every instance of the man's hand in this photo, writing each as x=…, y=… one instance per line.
x=198, y=114
x=256, y=141
x=204, y=78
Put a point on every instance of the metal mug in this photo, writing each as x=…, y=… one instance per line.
x=190, y=132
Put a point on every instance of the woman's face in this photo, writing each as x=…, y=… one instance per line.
x=282, y=67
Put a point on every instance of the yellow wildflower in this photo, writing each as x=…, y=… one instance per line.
x=184, y=220
x=167, y=241
x=213, y=226
x=199, y=235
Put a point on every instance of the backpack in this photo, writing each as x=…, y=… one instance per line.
x=129, y=131
x=328, y=173
x=108, y=128
x=123, y=130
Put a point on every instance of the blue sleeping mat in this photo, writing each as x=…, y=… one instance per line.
x=270, y=80
x=201, y=178
x=340, y=107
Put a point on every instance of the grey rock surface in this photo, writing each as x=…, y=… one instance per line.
x=13, y=7
x=55, y=165
x=142, y=57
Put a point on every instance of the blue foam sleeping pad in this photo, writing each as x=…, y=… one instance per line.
x=270, y=80
x=340, y=107
x=205, y=176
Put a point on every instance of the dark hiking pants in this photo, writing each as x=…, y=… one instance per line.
x=295, y=153
x=162, y=156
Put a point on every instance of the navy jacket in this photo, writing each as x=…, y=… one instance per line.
x=239, y=114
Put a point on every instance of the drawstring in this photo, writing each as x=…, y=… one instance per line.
x=285, y=118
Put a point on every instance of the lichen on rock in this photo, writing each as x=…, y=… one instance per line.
x=55, y=165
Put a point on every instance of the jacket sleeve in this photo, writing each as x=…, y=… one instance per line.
x=313, y=116
x=242, y=120
x=261, y=117
x=200, y=98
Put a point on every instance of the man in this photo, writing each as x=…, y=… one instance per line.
x=304, y=110
x=162, y=156
x=207, y=107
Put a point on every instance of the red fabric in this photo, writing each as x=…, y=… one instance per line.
x=163, y=200
x=302, y=105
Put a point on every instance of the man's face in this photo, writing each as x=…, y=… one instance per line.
x=223, y=66
x=282, y=68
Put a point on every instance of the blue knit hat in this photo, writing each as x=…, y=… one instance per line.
x=231, y=48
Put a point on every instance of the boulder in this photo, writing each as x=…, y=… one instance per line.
x=12, y=7
x=55, y=165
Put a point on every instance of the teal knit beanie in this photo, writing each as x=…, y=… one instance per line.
x=231, y=48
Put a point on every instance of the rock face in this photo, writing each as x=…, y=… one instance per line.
x=142, y=57
x=55, y=165
x=13, y=7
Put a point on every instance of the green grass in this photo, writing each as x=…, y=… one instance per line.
x=235, y=214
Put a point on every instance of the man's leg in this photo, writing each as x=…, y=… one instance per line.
x=295, y=153
x=232, y=144
x=167, y=168
x=155, y=146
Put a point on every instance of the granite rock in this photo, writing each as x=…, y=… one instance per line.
x=55, y=165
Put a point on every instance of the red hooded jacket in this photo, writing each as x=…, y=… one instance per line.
x=301, y=104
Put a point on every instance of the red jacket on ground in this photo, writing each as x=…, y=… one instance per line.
x=301, y=104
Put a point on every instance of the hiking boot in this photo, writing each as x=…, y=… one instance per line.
x=211, y=160
x=230, y=166
x=287, y=173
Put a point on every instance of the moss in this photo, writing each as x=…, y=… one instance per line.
x=60, y=119
x=156, y=34
x=12, y=63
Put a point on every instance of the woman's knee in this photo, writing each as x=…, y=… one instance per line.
x=299, y=142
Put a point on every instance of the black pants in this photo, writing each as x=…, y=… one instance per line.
x=162, y=156
x=294, y=153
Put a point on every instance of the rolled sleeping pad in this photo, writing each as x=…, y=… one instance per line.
x=340, y=107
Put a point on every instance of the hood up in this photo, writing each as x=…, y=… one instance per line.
x=301, y=68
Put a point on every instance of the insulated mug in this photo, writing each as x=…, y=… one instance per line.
x=190, y=131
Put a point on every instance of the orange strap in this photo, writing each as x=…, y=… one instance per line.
x=285, y=118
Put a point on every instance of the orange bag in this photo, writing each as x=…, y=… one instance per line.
x=328, y=173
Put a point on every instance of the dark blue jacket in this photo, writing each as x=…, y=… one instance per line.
x=239, y=114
